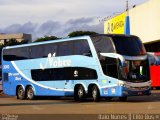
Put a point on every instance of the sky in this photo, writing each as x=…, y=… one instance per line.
x=58, y=17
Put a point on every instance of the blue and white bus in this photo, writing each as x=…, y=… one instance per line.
x=89, y=66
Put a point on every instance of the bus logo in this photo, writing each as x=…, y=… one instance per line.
x=52, y=61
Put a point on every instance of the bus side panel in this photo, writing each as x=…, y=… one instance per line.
x=41, y=91
x=9, y=74
x=111, y=91
x=11, y=79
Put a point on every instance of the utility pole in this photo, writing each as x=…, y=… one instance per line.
x=127, y=21
x=127, y=8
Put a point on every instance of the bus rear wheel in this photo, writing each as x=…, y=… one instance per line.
x=79, y=94
x=20, y=93
x=30, y=93
x=95, y=94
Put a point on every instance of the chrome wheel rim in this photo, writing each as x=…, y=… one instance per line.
x=80, y=93
x=94, y=94
x=30, y=94
x=20, y=92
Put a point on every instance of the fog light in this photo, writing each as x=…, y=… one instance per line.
x=113, y=90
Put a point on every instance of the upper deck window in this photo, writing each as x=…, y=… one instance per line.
x=103, y=44
x=72, y=47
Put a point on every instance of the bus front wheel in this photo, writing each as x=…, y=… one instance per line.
x=79, y=94
x=30, y=93
x=95, y=94
x=20, y=93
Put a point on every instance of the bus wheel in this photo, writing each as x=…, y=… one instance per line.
x=30, y=93
x=79, y=93
x=20, y=93
x=95, y=94
x=122, y=99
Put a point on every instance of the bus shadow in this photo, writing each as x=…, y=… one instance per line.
x=154, y=97
x=37, y=102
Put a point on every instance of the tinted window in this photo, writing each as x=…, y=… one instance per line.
x=67, y=73
x=65, y=48
x=110, y=66
x=130, y=46
x=36, y=51
x=16, y=54
x=81, y=47
x=41, y=51
x=103, y=44
x=76, y=47
x=50, y=48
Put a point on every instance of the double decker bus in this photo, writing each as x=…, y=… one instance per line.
x=98, y=66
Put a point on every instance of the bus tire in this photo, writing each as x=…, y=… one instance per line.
x=79, y=93
x=95, y=93
x=30, y=93
x=123, y=99
x=20, y=93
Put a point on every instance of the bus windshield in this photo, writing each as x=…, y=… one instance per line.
x=135, y=71
x=123, y=45
x=130, y=46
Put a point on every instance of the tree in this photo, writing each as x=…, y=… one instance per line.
x=12, y=42
x=81, y=33
x=46, y=38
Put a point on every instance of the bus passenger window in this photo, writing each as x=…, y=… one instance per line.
x=65, y=48
x=81, y=47
x=110, y=67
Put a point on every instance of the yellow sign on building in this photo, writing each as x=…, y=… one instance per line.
x=115, y=25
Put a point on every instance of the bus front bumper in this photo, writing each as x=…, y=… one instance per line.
x=120, y=91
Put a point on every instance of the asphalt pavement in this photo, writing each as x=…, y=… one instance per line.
x=66, y=108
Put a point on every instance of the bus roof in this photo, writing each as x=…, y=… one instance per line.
x=46, y=42
x=66, y=39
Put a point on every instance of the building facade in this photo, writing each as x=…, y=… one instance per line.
x=4, y=38
x=145, y=23
x=18, y=37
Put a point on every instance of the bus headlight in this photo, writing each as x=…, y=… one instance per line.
x=113, y=90
x=120, y=83
x=126, y=86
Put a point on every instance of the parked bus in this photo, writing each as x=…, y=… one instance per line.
x=89, y=66
x=155, y=69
